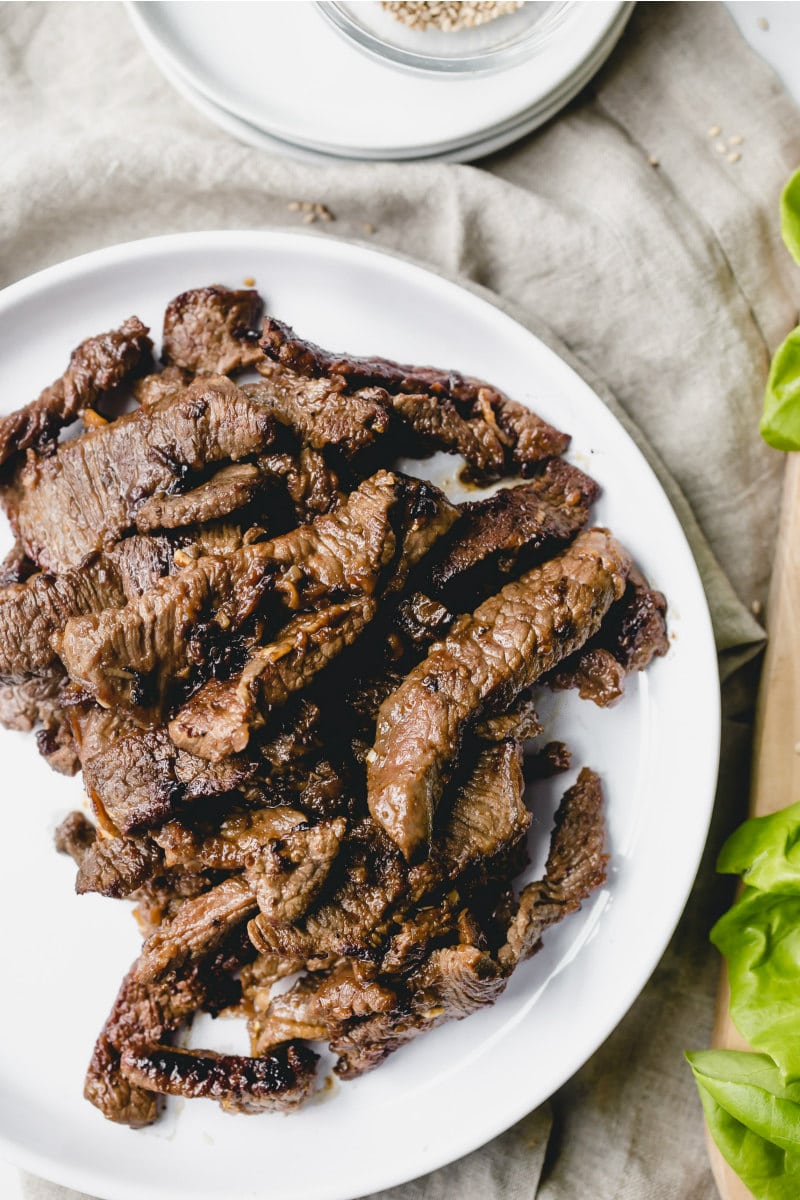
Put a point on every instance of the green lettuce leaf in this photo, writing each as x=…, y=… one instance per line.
x=760, y=938
x=754, y=1119
x=765, y=851
x=780, y=420
x=790, y=216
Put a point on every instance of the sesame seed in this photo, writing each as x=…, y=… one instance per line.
x=309, y=218
x=735, y=140
x=763, y=23
x=734, y=158
x=654, y=162
x=367, y=228
x=756, y=608
x=720, y=147
x=306, y=206
x=293, y=206
x=448, y=14
x=714, y=131
x=249, y=281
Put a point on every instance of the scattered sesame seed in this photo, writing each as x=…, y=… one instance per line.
x=714, y=131
x=721, y=147
x=323, y=212
x=654, y=162
x=306, y=206
x=763, y=23
x=734, y=158
x=309, y=218
x=756, y=608
x=293, y=206
x=735, y=140
x=367, y=228
x=249, y=281
x=447, y=14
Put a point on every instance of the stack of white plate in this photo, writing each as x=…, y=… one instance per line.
x=324, y=81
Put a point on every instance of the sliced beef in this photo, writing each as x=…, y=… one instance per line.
x=139, y=561
x=231, y=489
x=287, y=875
x=488, y=814
x=420, y=620
x=117, y=866
x=230, y=845
x=496, y=435
x=576, y=865
x=33, y=611
x=276, y=1082
x=311, y=485
x=197, y=929
x=38, y=703
x=520, y=721
x=634, y=632
x=485, y=660
x=145, y=1013
x=158, y=638
x=212, y=330
x=75, y=836
x=510, y=531
x=85, y=496
x=323, y=413
x=219, y=719
x=96, y=368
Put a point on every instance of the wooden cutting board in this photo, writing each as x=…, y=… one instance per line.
x=776, y=749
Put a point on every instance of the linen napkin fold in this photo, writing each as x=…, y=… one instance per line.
x=620, y=235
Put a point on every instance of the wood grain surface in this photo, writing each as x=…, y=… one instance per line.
x=776, y=748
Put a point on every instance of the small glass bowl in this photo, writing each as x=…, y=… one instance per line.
x=490, y=47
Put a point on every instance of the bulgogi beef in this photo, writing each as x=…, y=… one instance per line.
x=302, y=687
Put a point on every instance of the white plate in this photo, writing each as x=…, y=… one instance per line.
x=253, y=136
x=64, y=956
x=282, y=68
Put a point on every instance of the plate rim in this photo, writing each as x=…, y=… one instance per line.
x=48, y=1167
x=143, y=17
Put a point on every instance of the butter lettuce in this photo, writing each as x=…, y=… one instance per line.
x=754, y=1119
x=760, y=938
x=765, y=851
x=780, y=422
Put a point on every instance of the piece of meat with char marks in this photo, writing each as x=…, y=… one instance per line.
x=229, y=845
x=144, y=1014
x=137, y=777
x=212, y=330
x=576, y=866
x=276, y=1082
x=231, y=489
x=633, y=633
x=197, y=929
x=509, y=531
x=496, y=435
x=75, y=836
x=117, y=866
x=323, y=413
x=99, y=366
x=83, y=497
x=288, y=874
x=486, y=659
x=39, y=703
x=16, y=567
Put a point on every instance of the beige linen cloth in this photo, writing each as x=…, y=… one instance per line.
x=621, y=235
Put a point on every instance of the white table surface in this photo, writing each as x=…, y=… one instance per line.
x=779, y=46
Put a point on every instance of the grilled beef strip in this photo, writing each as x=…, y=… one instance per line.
x=495, y=434
x=509, y=531
x=231, y=489
x=288, y=875
x=229, y=845
x=312, y=486
x=160, y=385
x=212, y=330
x=117, y=866
x=97, y=367
x=552, y=759
x=155, y=638
x=634, y=632
x=197, y=929
x=85, y=496
x=323, y=413
x=486, y=659
x=138, y=778
x=145, y=1014
x=576, y=866
x=276, y=1082
x=38, y=703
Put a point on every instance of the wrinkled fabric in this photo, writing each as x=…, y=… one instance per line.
x=623, y=238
